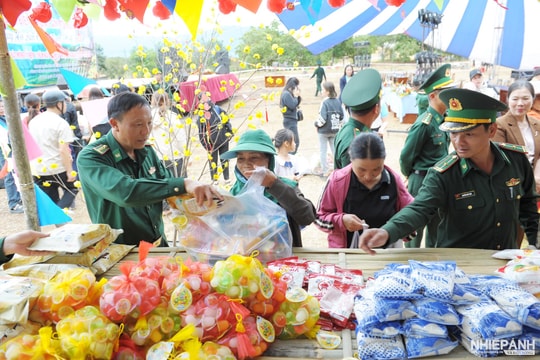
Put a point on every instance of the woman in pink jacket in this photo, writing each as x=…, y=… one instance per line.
x=366, y=193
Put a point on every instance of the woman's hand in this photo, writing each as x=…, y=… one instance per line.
x=353, y=223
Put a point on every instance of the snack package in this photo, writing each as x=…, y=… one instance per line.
x=160, y=324
x=87, y=333
x=72, y=238
x=301, y=312
x=416, y=327
x=436, y=311
x=67, y=292
x=518, y=303
x=240, y=277
x=25, y=346
x=485, y=319
x=249, y=338
x=367, y=322
x=253, y=223
x=376, y=348
x=433, y=279
x=418, y=347
x=17, y=297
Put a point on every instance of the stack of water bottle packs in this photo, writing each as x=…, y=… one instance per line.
x=427, y=308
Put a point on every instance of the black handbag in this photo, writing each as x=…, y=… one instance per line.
x=299, y=115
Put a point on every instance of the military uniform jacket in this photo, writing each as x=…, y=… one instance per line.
x=477, y=210
x=343, y=140
x=425, y=144
x=124, y=193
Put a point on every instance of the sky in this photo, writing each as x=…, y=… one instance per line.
x=241, y=17
x=119, y=37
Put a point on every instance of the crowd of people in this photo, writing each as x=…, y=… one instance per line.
x=481, y=195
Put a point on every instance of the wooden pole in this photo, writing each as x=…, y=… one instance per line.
x=13, y=117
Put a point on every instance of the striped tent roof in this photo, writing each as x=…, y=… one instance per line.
x=501, y=32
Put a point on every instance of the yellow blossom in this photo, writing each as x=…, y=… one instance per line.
x=258, y=66
x=280, y=51
x=73, y=173
x=274, y=47
x=164, y=49
x=97, y=134
x=39, y=160
x=259, y=114
x=257, y=56
x=126, y=68
x=242, y=65
x=155, y=71
x=295, y=64
x=247, y=49
x=142, y=90
x=46, y=184
x=283, y=109
x=77, y=184
x=138, y=68
x=54, y=166
x=268, y=37
x=222, y=89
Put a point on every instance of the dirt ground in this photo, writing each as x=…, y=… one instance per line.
x=311, y=185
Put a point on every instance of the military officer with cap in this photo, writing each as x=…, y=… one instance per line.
x=426, y=144
x=362, y=95
x=124, y=181
x=484, y=190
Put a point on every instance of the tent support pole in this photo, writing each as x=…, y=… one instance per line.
x=15, y=131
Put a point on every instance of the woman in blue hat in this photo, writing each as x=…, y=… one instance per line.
x=255, y=149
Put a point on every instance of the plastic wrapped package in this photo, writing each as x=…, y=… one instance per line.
x=518, y=303
x=486, y=320
x=17, y=297
x=418, y=347
x=416, y=327
x=377, y=348
x=437, y=311
x=254, y=224
x=434, y=279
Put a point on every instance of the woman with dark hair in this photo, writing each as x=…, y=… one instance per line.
x=33, y=104
x=365, y=193
x=328, y=124
x=348, y=73
x=516, y=127
x=289, y=102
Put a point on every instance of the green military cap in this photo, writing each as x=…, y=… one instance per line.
x=439, y=79
x=467, y=109
x=363, y=90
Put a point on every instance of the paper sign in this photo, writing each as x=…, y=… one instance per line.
x=95, y=111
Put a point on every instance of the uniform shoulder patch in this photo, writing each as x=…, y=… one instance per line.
x=427, y=118
x=101, y=149
x=446, y=163
x=513, y=147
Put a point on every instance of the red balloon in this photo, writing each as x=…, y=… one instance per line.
x=226, y=6
x=277, y=6
x=110, y=10
x=79, y=19
x=336, y=3
x=394, y=2
x=161, y=11
x=42, y=12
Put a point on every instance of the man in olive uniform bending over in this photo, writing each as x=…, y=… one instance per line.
x=484, y=190
x=425, y=145
x=124, y=181
x=362, y=95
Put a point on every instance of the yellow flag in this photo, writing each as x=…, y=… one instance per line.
x=190, y=12
x=439, y=4
x=18, y=78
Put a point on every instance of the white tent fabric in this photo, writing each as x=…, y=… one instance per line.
x=501, y=32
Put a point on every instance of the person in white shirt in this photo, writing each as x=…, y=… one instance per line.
x=53, y=170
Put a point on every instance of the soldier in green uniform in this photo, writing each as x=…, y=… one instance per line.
x=425, y=145
x=484, y=190
x=362, y=95
x=123, y=180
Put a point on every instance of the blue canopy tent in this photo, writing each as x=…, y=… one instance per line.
x=498, y=32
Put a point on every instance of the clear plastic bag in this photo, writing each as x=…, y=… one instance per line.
x=255, y=223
